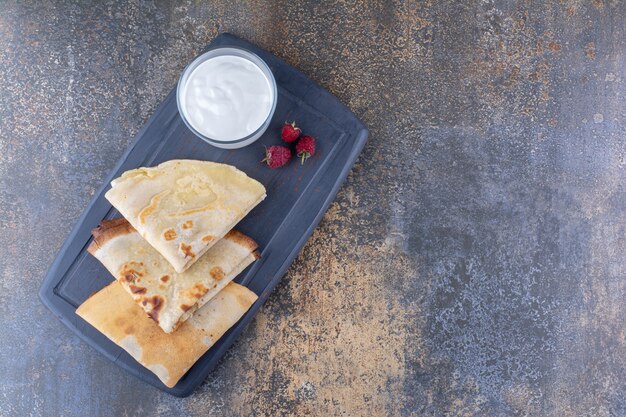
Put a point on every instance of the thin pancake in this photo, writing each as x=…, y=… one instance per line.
x=167, y=296
x=168, y=356
x=183, y=207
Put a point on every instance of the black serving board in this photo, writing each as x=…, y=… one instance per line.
x=297, y=197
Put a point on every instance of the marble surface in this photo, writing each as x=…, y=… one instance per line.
x=472, y=264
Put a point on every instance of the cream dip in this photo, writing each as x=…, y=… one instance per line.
x=227, y=98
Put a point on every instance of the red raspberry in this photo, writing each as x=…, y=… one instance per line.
x=290, y=132
x=305, y=148
x=277, y=156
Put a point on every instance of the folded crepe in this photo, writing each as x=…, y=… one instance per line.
x=183, y=207
x=167, y=296
x=169, y=356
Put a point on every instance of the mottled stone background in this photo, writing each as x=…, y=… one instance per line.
x=474, y=263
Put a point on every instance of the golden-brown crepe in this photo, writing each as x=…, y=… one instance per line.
x=167, y=296
x=183, y=207
x=169, y=356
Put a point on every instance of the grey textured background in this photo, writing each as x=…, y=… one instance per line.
x=473, y=263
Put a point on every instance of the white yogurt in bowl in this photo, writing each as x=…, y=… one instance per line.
x=227, y=97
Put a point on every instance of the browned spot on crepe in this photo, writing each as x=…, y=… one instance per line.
x=170, y=234
x=165, y=278
x=131, y=271
x=156, y=301
x=185, y=307
x=217, y=273
x=188, y=224
x=198, y=291
x=207, y=238
x=186, y=249
x=137, y=290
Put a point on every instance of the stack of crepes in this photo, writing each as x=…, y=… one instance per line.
x=174, y=256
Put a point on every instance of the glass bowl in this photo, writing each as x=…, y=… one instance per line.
x=231, y=51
